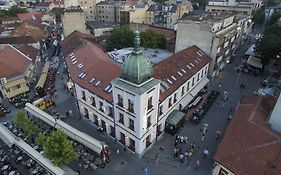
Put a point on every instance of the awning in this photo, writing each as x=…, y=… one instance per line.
x=254, y=61
x=175, y=117
x=250, y=51
x=21, y=90
x=46, y=68
x=199, y=86
x=42, y=80
x=14, y=83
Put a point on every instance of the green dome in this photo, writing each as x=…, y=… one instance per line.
x=137, y=67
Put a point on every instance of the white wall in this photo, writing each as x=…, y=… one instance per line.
x=275, y=118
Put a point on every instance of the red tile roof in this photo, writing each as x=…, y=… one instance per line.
x=17, y=40
x=29, y=51
x=12, y=61
x=170, y=66
x=96, y=64
x=249, y=146
x=37, y=16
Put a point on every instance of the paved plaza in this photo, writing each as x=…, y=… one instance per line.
x=127, y=163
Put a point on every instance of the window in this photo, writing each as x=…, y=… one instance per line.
x=198, y=76
x=202, y=73
x=223, y=172
x=148, y=124
x=160, y=110
x=132, y=145
x=121, y=118
x=175, y=97
x=8, y=90
x=187, y=89
x=83, y=95
x=86, y=113
x=110, y=111
x=149, y=103
x=93, y=102
x=18, y=86
x=131, y=106
x=101, y=106
x=120, y=100
x=131, y=124
x=182, y=91
x=193, y=81
x=170, y=101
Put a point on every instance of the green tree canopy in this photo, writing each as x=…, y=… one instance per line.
x=273, y=29
x=12, y=12
x=259, y=16
x=59, y=148
x=21, y=121
x=40, y=140
x=274, y=18
x=268, y=48
x=120, y=38
x=149, y=39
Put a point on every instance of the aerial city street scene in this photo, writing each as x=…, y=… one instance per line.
x=140, y=87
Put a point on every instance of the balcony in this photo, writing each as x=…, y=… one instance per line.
x=120, y=104
x=131, y=110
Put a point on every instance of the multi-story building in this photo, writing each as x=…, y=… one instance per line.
x=249, y=145
x=133, y=14
x=133, y=102
x=16, y=71
x=107, y=11
x=240, y=6
x=217, y=34
x=73, y=19
x=166, y=15
x=89, y=8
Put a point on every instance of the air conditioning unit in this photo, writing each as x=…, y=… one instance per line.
x=3, y=81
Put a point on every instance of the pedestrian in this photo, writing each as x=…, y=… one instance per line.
x=70, y=112
x=205, y=153
x=117, y=151
x=202, y=139
x=125, y=148
x=229, y=118
x=220, y=85
x=218, y=133
x=197, y=164
x=156, y=159
x=66, y=114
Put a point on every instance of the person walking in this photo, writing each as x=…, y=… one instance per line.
x=156, y=159
x=205, y=153
x=197, y=164
x=218, y=133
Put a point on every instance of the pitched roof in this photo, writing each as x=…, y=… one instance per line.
x=163, y=70
x=30, y=16
x=94, y=62
x=12, y=61
x=73, y=41
x=29, y=51
x=17, y=40
x=249, y=146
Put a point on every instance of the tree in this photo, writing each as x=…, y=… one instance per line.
x=120, y=38
x=273, y=29
x=259, y=16
x=274, y=18
x=149, y=39
x=40, y=140
x=268, y=48
x=20, y=119
x=12, y=12
x=30, y=128
x=59, y=149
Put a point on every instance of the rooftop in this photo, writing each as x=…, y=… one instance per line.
x=29, y=51
x=249, y=138
x=12, y=61
x=30, y=16
x=155, y=55
x=207, y=16
x=98, y=24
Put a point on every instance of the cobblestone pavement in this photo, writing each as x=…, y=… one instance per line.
x=127, y=163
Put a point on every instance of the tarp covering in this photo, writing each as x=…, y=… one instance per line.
x=254, y=61
x=250, y=51
x=175, y=117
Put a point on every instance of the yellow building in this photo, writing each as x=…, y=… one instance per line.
x=134, y=14
x=16, y=70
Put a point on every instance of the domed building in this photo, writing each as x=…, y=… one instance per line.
x=134, y=102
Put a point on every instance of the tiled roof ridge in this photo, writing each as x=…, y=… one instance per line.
x=25, y=56
x=278, y=137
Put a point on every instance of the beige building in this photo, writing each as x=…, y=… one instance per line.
x=89, y=8
x=166, y=15
x=217, y=34
x=73, y=19
x=244, y=7
x=133, y=14
x=16, y=71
